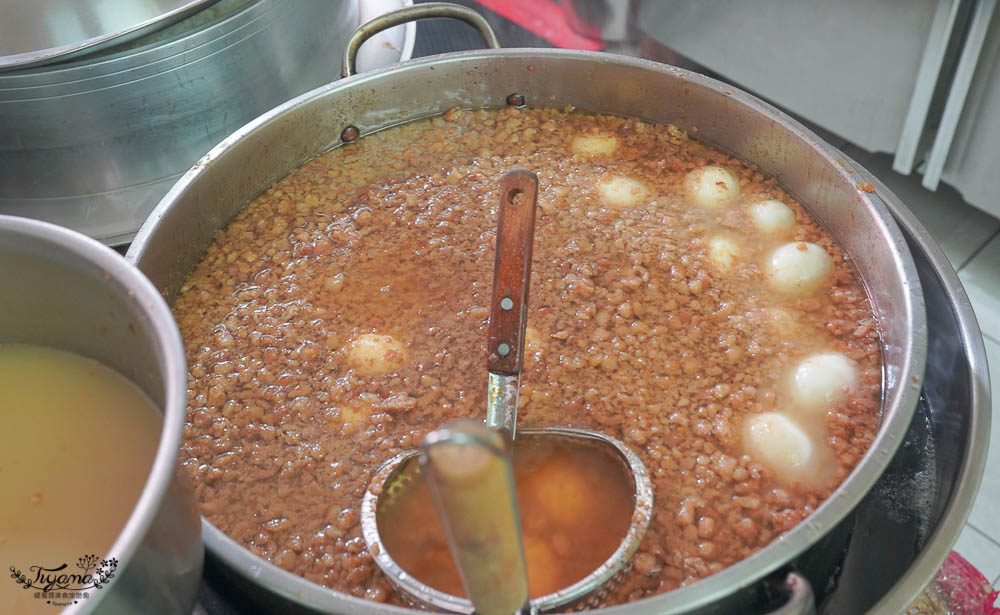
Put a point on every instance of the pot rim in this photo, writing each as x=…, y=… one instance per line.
x=101, y=40
x=171, y=350
x=902, y=397
x=956, y=512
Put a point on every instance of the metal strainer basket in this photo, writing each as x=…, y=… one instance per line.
x=588, y=593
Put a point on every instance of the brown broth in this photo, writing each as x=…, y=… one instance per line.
x=566, y=490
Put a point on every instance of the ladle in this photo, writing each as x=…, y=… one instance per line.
x=468, y=466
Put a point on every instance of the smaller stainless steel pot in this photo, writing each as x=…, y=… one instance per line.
x=61, y=289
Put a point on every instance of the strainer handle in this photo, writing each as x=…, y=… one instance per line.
x=472, y=485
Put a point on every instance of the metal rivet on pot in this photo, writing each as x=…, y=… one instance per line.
x=503, y=350
x=507, y=303
x=515, y=100
x=350, y=134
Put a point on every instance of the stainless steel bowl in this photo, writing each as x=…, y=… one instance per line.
x=207, y=197
x=61, y=289
x=94, y=144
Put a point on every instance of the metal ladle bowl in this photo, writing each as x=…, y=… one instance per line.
x=481, y=506
x=587, y=593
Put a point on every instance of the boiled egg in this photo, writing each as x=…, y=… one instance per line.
x=822, y=380
x=357, y=412
x=620, y=192
x=594, y=145
x=711, y=186
x=799, y=267
x=723, y=253
x=777, y=441
x=560, y=491
x=372, y=354
x=543, y=566
x=783, y=322
x=772, y=217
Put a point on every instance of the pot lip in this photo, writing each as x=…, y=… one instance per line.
x=89, y=72
x=956, y=512
x=170, y=351
x=903, y=396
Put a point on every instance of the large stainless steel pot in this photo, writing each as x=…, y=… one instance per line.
x=61, y=289
x=94, y=144
x=207, y=197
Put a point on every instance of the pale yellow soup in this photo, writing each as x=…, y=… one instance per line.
x=76, y=444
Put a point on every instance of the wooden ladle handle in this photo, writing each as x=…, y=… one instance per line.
x=512, y=272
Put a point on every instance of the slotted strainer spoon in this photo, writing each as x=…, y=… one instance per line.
x=468, y=468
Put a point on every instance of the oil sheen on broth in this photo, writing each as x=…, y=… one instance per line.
x=77, y=443
x=575, y=502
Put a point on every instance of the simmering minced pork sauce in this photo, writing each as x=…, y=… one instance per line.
x=680, y=301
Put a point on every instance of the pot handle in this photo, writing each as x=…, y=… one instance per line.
x=413, y=13
x=800, y=597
